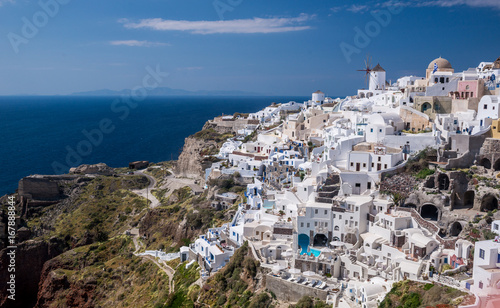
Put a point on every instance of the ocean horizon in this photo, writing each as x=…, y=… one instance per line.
x=50, y=134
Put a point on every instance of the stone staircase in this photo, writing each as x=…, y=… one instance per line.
x=329, y=190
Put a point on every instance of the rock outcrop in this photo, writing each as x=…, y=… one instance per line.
x=191, y=162
x=101, y=169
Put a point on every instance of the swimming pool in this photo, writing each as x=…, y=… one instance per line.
x=268, y=205
x=314, y=252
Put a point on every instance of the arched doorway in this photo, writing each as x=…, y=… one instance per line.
x=496, y=166
x=456, y=228
x=320, y=240
x=489, y=203
x=278, y=253
x=469, y=199
x=486, y=163
x=426, y=106
x=444, y=182
x=429, y=211
x=303, y=242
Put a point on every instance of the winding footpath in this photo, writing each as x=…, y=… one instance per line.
x=162, y=265
x=146, y=192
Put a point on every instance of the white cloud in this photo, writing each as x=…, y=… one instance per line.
x=471, y=3
x=135, y=43
x=447, y=3
x=358, y=8
x=254, y=25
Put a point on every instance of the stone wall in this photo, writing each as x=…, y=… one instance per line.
x=283, y=231
x=490, y=151
x=291, y=291
x=39, y=188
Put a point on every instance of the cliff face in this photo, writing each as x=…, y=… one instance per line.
x=191, y=163
x=101, y=275
x=30, y=258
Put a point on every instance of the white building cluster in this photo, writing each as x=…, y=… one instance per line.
x=313, y=204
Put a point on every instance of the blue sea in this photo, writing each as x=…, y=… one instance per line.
x=48, y=135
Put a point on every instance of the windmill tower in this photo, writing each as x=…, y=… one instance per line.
x=377, y=78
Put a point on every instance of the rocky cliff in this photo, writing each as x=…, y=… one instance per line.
x=191, y=162
x=30, y=258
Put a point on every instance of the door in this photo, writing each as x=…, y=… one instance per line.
x=379, y=167
x=358, y=166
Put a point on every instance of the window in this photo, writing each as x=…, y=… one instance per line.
x=257, y=232
x=369, y=184
x=358, y=185
x=364, y=165
x=316, y=211
x=380, y=130
x=326, y=212
x=481, y=253
x=373, y=165
x=346, y=222
x=326, y=225
x=315, y=223
x=385, y=166
x=334, y=216
x=496, y=227
x=352, y=164
x=371, y=130
x=480, y=285
x=305, y=189
x=308, y=225
x=302, y=225
x=380, y=158
x=340, y=216
x=485, y=106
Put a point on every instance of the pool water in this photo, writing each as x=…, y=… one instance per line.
x=314, y=252
x=268, y=205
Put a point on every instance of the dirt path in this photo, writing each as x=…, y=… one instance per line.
x=162, y=265
x=167, y=269
x=146, y=192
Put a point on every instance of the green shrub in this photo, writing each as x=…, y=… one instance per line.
x=428, y=286
x=422, y=174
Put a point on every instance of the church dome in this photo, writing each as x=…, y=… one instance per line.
x=442, y=64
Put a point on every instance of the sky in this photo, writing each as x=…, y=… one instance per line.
x=280, y=47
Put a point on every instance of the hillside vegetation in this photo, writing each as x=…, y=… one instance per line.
x=411, y=294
